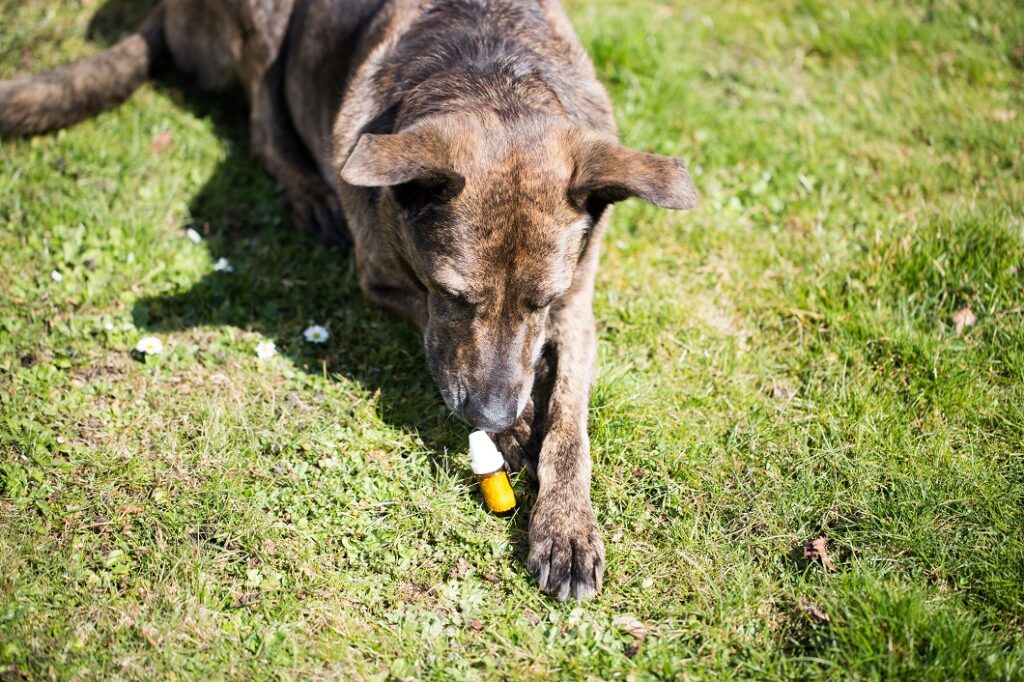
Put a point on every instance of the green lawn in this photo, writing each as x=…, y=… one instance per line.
x=778, y=364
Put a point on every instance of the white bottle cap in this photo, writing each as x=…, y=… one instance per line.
x=484, y=457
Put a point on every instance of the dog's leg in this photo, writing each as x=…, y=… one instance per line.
x=382, y=285
x=313, y=202
x=566, y=551
x=521, y=444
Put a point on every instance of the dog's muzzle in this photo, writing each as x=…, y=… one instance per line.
x=495, y=409
x=492, y=412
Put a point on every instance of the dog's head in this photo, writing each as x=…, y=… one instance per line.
x=494, y=220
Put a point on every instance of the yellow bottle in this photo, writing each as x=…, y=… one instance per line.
x=489, y=467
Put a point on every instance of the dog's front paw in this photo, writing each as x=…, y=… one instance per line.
x=566, y=551
x=315, y=208
x=519, y=445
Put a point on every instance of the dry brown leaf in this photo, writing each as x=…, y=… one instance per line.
x=814, y=612
x=1004, y=115
x=631, y=626
x=161, y=141
x=245, y=599
x=815, y=551
x=963, y=318
x=782, y=391
x=460, y=568
x=150, y=634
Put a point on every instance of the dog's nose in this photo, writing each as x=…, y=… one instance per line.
x=491, y=413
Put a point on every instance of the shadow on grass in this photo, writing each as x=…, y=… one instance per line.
x=283, y=281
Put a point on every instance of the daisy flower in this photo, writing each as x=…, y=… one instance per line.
x=193, y=236
x=56, y=276
x=265, y=350
x=316, y=334
x=222, y=265
x=149, y=345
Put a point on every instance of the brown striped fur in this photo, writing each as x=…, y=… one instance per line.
x=467, y=151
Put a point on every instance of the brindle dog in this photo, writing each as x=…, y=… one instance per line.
x=467, y=151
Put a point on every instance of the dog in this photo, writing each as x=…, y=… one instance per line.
x=467, y=153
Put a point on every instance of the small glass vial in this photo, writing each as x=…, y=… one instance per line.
x=489, y=467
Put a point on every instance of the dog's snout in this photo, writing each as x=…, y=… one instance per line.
x=493, y=413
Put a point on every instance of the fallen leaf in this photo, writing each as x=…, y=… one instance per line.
x=631, y=626
x=150, y=634
x=782, y=391
x=460, y=569
x=475, y=625
x=532, y=617
x=814, y=612
x=815, y=551
x=1004, y=115
x=245, y=599
x=414, y=591
x=963, y=318
x=161, y=141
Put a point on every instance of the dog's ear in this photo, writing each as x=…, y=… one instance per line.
x=415, y=159
x=607, y=172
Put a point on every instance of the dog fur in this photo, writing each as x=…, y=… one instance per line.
x=468, y=154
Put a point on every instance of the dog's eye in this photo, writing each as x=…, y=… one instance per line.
x=457, y=300
x=535, y=306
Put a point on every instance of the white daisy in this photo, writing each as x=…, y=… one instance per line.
x=56, y=276
x=108, y=325
x=222, y=265
x=316, y=334
x=193, y=236
x=149, y=345
x=265, y=350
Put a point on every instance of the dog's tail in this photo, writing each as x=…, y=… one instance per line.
x=71, y=93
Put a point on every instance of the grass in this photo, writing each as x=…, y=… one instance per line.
x=777, y=364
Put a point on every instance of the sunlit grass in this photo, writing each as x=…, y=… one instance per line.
x=777, y=364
